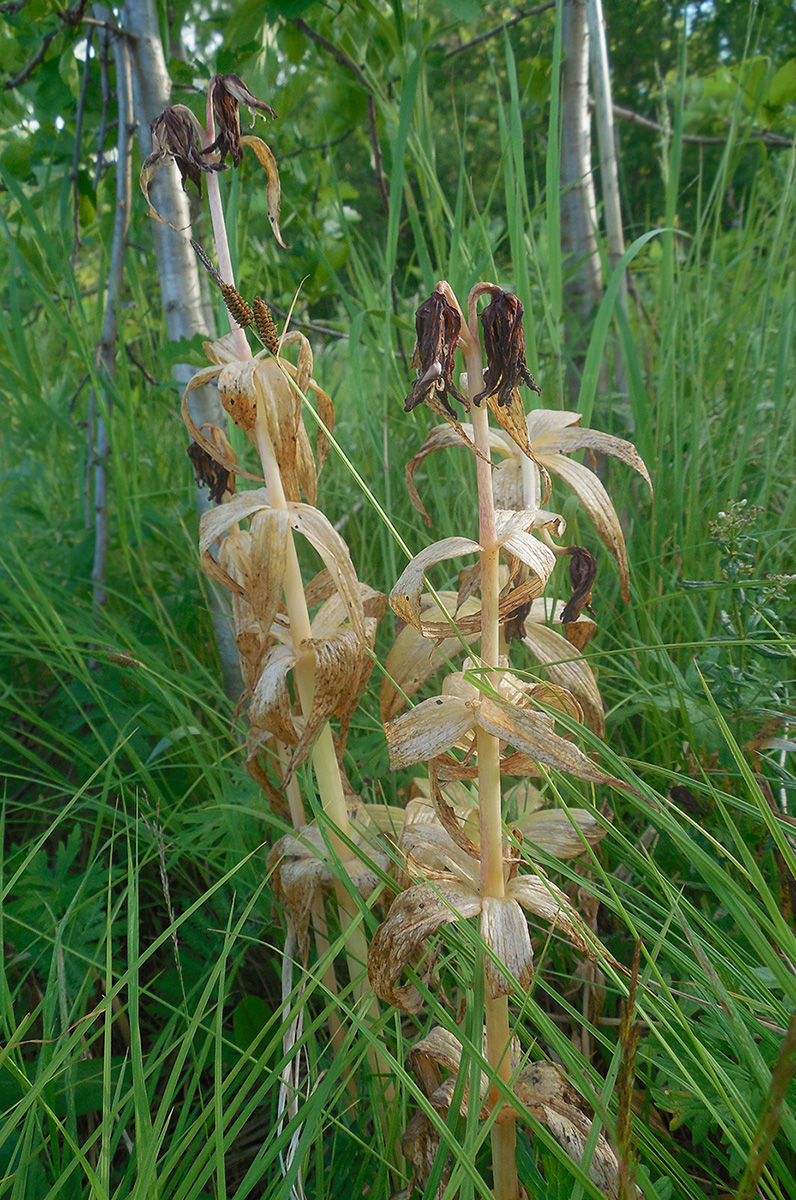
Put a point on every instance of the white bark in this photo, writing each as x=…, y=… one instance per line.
x=180, y=287
x=583, y=289
x=604, y=120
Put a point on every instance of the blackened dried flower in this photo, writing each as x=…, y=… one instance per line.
x=582, y=572
x=438, y=325
x=210, y=474
x=504, y=344
x=227, y=93
x=174, y=135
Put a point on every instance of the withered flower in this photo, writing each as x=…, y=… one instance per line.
x=582, y=572
x=504, y=344
x=227, y=93
x=209, y=473
x=175, y=135
x=438, y=326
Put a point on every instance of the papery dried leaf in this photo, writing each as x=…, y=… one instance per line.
x=579, y=633
x=413, y=658
x=542, y=898
x=414, y=916
x=554, y=1102
x=449, y=820
x=336, y=674
x=420, y=1144
x=236, y=388
x=217, y=521
x=405, y=596
x=321, y=534
x=511, y=417
x=267, y=562
x=226, y=458
x=273, y=190
x=556, y=431
x=567, y=670
x=561, y=834
x=505, y=931
x=528, y=732
x=270, y=706
x=597, y=504
x=428, y=730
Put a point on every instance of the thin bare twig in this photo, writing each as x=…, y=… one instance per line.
x=755, y=135
x=81, y=108
x=377, y=159
x=339, y=56
x=106, y=352
x=515, y=20
x=105, y=87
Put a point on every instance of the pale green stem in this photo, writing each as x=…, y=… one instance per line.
x=492, y=883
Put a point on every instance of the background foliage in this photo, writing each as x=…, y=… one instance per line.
x=141, y=1009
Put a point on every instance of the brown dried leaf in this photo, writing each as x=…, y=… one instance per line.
x=414, y=916
x=413, y=659
x=273, y=190
x=318, y=530
x=554, y=1102
x=405, y=596
x=267, y=563
x=530, y=733
x=567, y=670
x=429, y=729
x=505, y=931
x=561, y=834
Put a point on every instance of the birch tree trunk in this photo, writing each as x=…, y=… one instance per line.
x=583, y=276
x=604, y=120
x=180, y=287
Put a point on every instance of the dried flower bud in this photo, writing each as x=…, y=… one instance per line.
x=504, y=344
x=582, y=571
x=227, y=93
x=438, y=325
x=264, y=324
x=210, y=474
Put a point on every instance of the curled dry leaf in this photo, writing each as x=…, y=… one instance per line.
x=405, y=596
x=300, y=864
x=539, y=1087
x=273, y=188
x=453, y=893
x=543, y=1090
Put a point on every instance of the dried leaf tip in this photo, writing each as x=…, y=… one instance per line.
x=504, y=344
x=438, y=326
x=226, y=93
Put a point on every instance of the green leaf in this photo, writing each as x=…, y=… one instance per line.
x=782, y=89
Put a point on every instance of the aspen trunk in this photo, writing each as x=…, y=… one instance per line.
x=183, y=306
x=583, y=277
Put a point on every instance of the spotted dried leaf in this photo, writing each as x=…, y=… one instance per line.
x=405, y=596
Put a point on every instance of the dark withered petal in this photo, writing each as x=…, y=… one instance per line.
x=438, y=326
x=582, y=572
x=174, y=136
x=228, y=92
x=209, y=473
x=504, y=345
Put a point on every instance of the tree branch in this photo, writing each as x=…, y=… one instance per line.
x=528, y=12
x=755, y=135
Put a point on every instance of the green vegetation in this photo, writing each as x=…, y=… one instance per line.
x=143, y=1005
